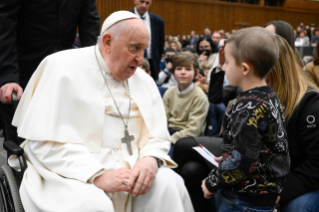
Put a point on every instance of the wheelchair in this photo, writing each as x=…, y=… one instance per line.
x=10, y=179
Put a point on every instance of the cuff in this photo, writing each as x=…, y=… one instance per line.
x=99, y=173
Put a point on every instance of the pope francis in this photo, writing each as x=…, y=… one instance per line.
x=95, y=130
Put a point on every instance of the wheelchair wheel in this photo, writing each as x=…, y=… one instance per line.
x=10, y=195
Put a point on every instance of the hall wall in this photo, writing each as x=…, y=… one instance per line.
x=182, y=16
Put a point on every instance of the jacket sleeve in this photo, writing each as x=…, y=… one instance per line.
x=9, y=68
x=305, y=177
x=89, y=24
x=215, y=91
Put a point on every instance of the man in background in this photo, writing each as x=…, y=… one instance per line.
x=156, y=28
x=32, y=30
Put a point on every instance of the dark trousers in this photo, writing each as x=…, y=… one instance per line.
x=193, y=169
x=10, y=131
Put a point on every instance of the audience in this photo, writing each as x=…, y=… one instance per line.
x=312, y=69
x=207, y=51
x=145, y=66
x=216, y=37
x=302, y=40
x=315, y=37
x=165, y=77
x=176, y=45
x=186, y=105
x=193, y=40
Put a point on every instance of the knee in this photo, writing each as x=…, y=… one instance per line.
x=168, y=178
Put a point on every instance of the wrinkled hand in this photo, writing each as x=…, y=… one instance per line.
x=169, y=66
x=6, y=92
x=113, y=181
x=207, y=194
x=202, y=57
x=202, y=79
x=142, y=176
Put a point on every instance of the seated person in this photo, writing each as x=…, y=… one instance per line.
x=302, y=40
x=165, y=77
x=91, y=140
x=255, y=157
x=186, y=105
x=145, y=66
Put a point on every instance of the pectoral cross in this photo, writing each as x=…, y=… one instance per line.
x=127, y=139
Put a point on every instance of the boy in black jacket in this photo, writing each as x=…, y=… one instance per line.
x=255, y=157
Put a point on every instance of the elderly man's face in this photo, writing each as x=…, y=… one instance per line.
x=125, y=54
x=142, y=6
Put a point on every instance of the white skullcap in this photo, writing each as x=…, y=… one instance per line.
x=116, y=17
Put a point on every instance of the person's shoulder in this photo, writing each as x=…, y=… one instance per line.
x=199, y=94
x=155, y=17
x=309, y=66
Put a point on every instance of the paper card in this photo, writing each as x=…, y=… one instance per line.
x=207, y=155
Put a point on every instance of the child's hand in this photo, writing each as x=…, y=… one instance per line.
x=207, y=194
x=217, y=159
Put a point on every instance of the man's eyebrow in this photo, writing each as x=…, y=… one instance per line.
x=137, y=44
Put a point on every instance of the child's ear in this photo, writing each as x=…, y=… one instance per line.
x=246, y=69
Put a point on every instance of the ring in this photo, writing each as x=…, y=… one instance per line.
x=125, y=182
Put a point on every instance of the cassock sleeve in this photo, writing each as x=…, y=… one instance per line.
x=69, y=160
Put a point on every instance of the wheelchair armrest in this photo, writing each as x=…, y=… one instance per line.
x=13, y=148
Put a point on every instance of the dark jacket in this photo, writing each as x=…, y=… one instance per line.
x=303, y=137
x=157, y=42
x=32, y=30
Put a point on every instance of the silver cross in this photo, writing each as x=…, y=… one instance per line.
x=127, y=139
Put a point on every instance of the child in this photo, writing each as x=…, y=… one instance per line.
x=255, y=157
x=186, y=105
x=145, y=66
x=165, y=78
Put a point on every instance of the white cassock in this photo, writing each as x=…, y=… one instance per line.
x=73, y=133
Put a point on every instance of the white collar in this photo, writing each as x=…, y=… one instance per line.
x=101, y=61
x=144, y=16
x=186, y=91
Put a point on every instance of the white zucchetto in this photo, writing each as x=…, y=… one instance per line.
x=116, y=17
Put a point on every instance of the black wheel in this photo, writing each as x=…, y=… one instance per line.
x=9, y=190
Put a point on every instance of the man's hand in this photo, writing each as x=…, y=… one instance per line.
x=6, y=92
x=169, y=66
x=313, y=45
x=201, y=79
x=113, y=181
x=203, y=57
x=221, y=56
x=143, y=175
x=207, y=194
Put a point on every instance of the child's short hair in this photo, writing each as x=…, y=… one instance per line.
x=256, y=46
x=169, y=49
x=146, y=65
x=186, y=59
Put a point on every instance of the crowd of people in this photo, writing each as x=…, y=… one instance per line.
x=116, y=123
